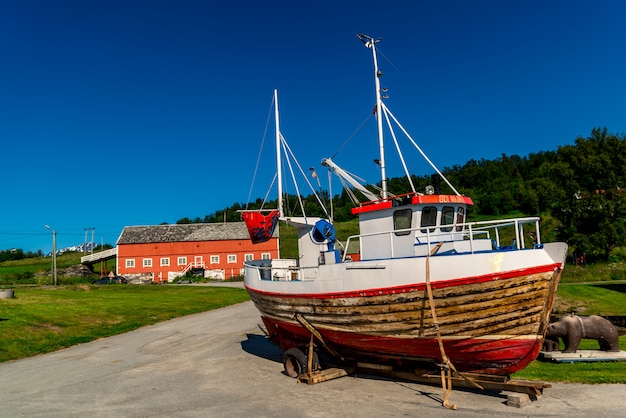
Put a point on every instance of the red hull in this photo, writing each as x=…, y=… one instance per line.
x=500, y=357
x=494, y=324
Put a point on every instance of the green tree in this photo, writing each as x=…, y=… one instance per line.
x=591, y=204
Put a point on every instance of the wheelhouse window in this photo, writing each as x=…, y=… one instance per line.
x=402, y=220
x=447, y=218
x=460, y=218
x=429, y=218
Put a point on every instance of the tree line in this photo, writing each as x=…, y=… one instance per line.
x=579, y=187
x=577, y=190
x=18, y=254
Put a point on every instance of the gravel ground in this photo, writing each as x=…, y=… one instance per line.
x=219, y=364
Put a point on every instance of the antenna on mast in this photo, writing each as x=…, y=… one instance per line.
x=371, y=44
x=367, y=40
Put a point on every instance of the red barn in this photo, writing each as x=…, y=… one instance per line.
x=166, y=252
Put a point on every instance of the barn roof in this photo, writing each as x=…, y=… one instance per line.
x=185, y=233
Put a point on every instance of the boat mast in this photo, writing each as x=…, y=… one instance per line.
x=371, y=44
x=279, y=171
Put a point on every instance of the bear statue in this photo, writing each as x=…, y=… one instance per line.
x=573, y=328
x=550, y=344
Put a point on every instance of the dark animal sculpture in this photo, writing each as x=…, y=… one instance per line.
x=550, y=344
x=573, y=328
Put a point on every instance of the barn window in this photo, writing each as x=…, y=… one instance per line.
x=249, y=257
x=165, y=261
x=147, y=262
x=265, y=256
x=215, y=259
x=182, y=261
x=130, y=263
x=232, y=258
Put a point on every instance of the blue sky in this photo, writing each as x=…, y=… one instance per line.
x=116, y=113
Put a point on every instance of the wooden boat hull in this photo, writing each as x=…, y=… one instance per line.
x=493, y=323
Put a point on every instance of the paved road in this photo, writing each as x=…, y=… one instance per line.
x=219, y=364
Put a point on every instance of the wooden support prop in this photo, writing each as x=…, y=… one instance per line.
x=324, y=375
x=468, y=380
x=306, y=324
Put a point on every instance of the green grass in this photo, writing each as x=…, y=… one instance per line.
x=599, y=272
x=20, y=272
x=44, y=319
x=41, y=320
x=595, y=372
x=605, y=299
x=38, y=264
x=581, y=372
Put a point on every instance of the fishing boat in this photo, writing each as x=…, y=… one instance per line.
x=427, y=286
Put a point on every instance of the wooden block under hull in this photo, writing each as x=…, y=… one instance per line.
x=323, y=375
x=471, y=380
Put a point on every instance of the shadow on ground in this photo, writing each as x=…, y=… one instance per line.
x=258, y=345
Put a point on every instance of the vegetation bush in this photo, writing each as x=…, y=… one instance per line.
x=618, y=256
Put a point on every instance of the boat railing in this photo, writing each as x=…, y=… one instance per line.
x=469, y=231
x=281, y=270
x=497, y=225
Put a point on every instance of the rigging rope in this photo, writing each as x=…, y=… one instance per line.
x=258, y=159
x=446, y=365
x=351, y=136
x=268, y=192
x=287, y=148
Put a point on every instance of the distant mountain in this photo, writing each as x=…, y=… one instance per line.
x=88, y=247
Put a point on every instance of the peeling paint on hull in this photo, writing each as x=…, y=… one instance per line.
x=490, y=324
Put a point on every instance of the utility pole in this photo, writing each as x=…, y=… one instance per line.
x=54, y=254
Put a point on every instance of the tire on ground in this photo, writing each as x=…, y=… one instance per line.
x=295, y=362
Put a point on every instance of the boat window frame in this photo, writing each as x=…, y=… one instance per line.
x=460, y=218
x=447, y=222
x=402, y=215
x=431, y=222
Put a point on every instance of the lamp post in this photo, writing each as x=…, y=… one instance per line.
x=54, y=254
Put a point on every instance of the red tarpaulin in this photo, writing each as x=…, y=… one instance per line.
x=260, y=227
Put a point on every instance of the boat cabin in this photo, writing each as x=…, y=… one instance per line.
x=412, y=223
